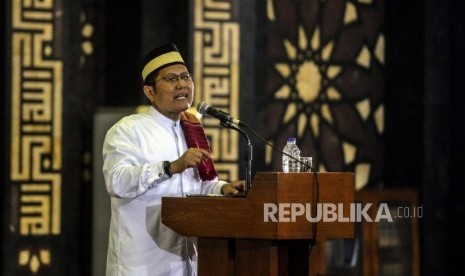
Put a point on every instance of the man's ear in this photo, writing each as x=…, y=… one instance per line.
x=149, y=92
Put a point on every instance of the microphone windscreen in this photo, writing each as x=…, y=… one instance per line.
x=202, y=107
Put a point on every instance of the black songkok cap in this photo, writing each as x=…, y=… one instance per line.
x=161, y=57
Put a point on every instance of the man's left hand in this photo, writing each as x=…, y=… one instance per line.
x=233, y=188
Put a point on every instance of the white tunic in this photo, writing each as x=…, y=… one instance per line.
x=133, y=152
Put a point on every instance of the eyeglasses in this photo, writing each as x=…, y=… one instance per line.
x=173, y=78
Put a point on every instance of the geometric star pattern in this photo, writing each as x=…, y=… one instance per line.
x=325, y=84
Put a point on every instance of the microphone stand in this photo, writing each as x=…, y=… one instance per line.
x=247, y=154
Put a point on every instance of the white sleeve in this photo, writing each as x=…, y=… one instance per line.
x=126, y=173
x=213, y=186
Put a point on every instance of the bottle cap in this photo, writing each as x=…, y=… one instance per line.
x=291, y=140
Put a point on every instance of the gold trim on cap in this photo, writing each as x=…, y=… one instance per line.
x=159, y=61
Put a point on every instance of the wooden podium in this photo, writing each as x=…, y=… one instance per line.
x=241, y=236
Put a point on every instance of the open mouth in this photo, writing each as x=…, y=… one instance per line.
x=181, y=96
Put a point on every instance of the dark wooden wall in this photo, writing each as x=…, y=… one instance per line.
x=425, y=123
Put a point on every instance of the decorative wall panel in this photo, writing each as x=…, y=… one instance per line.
x=325, y=83
x=36, y=133
x=47, y=177
x=216, y=68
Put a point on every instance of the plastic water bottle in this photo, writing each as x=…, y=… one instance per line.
x=291, y=148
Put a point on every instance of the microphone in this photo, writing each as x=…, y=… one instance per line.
x=204, y=108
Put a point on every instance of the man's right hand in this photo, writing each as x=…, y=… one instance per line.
x=191, y=158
